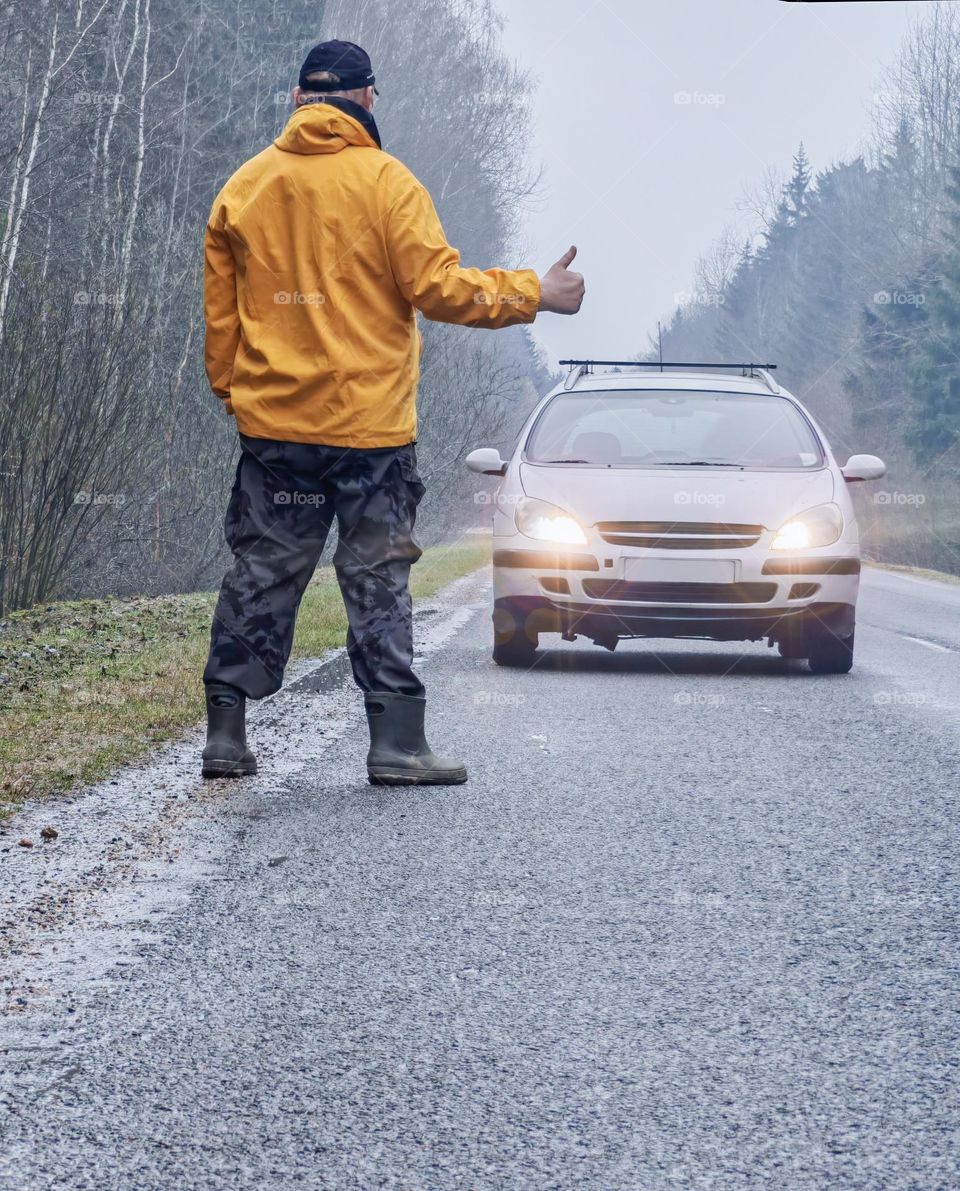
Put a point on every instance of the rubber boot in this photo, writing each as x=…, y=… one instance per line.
x=226, y=753
x=399, y=754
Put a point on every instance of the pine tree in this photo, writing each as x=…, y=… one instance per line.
x=795, y=191
x=935, y=371
x=889, y=334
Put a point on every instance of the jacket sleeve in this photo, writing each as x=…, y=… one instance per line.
x=429, y=274
x=220, y=306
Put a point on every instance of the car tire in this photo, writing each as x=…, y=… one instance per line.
x=520, y=652
x=830, y=654
x=514, y=644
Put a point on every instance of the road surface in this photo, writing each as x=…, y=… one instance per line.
x=692, y=923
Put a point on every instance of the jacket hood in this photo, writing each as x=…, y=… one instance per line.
x=326, y=128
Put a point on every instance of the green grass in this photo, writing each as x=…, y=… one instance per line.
x=87, y=685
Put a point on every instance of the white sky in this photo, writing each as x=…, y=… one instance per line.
x=643, y=184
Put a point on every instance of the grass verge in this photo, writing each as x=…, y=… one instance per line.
x=916, y=572
x=87, y=685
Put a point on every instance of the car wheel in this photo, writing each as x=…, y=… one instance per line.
x=514, y=644
x=830, y=655
x=791, y=648
x=521, y=651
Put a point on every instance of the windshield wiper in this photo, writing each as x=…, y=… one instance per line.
x=704, y=463
x=666, y=463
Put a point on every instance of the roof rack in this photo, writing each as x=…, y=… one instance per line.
x=577, y=369
x=580, y=368
x=658, y=364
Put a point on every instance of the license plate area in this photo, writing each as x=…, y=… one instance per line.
x=680, y=570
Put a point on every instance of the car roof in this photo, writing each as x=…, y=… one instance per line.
x=721, y=382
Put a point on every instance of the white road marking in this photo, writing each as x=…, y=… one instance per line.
x=928, y=644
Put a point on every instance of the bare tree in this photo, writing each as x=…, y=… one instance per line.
x=122, y=118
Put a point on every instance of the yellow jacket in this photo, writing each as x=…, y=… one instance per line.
x=317, y=254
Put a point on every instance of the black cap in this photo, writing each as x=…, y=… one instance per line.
x=347, y=61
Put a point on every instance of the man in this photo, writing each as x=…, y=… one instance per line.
x=319, y=251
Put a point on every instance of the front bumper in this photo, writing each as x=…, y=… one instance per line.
x=533, y=615
x=603, y=594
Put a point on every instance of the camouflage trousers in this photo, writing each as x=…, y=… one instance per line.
x=284, y=500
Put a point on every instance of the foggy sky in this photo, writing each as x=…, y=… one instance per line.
x=643, y=183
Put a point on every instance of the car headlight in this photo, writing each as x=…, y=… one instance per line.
x=821, y=526
x=547, y=523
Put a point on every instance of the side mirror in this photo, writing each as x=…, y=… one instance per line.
x=486, y=462
x=863, y=467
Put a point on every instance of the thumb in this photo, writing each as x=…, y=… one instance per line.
x=567, y=259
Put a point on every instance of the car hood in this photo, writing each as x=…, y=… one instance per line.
x=593, y=494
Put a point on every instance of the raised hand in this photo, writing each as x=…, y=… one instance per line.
x=561, y=292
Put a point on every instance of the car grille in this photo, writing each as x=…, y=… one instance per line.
x=679, y=535
x=680, y=593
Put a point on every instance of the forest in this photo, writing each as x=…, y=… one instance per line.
x=850, y=282
x=123, y=118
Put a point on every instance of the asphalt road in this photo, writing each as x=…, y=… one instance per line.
x=692, y=923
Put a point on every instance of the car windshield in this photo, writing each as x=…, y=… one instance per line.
x=673, y=428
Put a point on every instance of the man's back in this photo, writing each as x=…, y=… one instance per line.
x=319, y=250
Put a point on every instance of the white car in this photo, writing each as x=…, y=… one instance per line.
x=675, y=500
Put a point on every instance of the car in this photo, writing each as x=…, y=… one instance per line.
x=675, y=500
